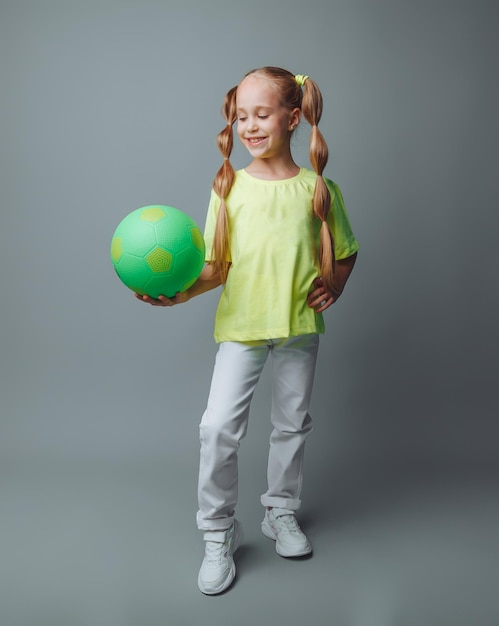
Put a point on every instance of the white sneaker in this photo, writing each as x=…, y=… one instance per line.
x=218, y=569
x=281, y=525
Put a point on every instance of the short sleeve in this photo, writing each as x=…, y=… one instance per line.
x=345, y=243
x=209, y=228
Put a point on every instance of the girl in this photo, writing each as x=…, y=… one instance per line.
x=279, y=241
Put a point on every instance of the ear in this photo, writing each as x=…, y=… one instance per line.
x=294, y=118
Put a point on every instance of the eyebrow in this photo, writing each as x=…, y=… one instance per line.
x=259, y=107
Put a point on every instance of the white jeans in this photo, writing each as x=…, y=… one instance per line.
x=224, y=423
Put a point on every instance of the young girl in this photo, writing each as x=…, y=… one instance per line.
x=279, y=241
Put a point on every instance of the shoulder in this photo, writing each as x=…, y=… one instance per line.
x=332, y=185
x=310, y=177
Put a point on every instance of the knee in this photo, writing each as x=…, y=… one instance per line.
x=294, y=422
x=221, y=430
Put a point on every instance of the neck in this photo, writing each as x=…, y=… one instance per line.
x=273, y=169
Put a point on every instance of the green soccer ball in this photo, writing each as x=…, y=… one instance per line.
x=157, y=250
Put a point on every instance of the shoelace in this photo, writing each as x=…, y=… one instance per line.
x=215, y=551
x=290, y=523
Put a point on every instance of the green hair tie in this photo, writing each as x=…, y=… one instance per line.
x=300, y=79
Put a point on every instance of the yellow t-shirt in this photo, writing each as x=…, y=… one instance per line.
x=274, y=243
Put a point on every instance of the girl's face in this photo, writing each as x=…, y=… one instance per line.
x=264, y=125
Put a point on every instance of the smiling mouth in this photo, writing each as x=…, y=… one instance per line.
x=255, y=140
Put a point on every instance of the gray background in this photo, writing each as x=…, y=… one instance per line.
x=107, y=106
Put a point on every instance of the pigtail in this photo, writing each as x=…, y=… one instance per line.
x=222, y=185
x=312, y=111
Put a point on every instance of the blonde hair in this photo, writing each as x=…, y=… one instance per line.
x=309, y=100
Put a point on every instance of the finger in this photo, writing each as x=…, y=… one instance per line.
x=323, y=305
x=318, y=295
x=142, y=297
x=315, y=302
x=160, y=301
x=322, y=301
x=315, y=294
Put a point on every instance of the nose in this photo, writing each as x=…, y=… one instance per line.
x=252, y=124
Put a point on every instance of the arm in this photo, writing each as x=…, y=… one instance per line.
x=319, y=298
x=207, y=280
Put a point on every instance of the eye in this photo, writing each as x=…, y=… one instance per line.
x=241, y=118
x=262, y=117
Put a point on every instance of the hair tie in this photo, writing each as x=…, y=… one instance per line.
x=301, y=79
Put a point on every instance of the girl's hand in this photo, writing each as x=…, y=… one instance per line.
x=320, y=298
x=178, y=298
x=207, y=280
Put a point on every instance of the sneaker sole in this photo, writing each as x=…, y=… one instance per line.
x=225, y=585
x=238, y=537
x=268, y=532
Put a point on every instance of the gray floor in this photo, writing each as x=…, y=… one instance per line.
x=96, y=544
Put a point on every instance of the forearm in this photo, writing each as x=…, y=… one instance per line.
x=342, y=270
x=206, y=281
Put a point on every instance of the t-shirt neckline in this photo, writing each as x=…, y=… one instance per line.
x=274, y=181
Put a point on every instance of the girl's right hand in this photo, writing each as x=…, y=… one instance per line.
x=178, y=298
x=207, y=280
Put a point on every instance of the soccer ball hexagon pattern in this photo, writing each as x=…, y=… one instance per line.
x=157, y=250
